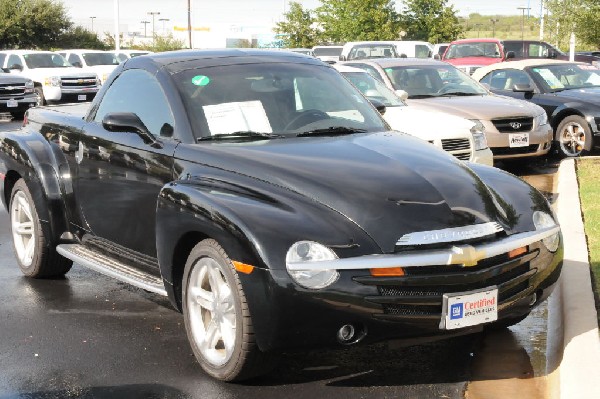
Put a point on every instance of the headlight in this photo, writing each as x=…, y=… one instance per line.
x=542, y=220
x=52, y=81
x=541, y=119
x=596, y=64
x=104, y=77
x=29, y=86
x=479, y=140
x=309, y=251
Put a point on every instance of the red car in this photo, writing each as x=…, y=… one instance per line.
x=470, y=54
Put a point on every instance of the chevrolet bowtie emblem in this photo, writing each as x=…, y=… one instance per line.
x=466, y=255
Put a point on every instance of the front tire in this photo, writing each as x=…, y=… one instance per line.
x=217, y=318
x=573, y=137
x=34, y=257
x=40, y=92
x=18, y=115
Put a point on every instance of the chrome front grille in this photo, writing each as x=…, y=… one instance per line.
x=12, y=90
x=78, y=82
x=456, y=144
x=513, y=125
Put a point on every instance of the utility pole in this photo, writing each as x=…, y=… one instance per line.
x=163, y=21
x=542, y=20
x=154, y=14
x=478, y=28
x=145, y=23
x=190, y=22
x=117, y=33
x=493, y=21
x=523, y=20
x=92, y=18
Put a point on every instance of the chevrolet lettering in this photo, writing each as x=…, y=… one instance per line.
x=264, y=196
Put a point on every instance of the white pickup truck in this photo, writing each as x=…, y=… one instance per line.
x=54, y=78
x=102, y=63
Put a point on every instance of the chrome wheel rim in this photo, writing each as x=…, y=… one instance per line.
x=211, y=312
x=23, y=228
x=572, y=139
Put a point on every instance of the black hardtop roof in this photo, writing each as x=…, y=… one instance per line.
x=177, y=61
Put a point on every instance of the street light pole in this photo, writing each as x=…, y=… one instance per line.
x=117, y=33
x=523, y=20
x=154, y=14
x=190, y=22
x=92, y=18
x=493, y=21
x=145, y=23
x=163, y=21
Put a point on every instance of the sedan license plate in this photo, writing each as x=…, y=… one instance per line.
x=464, y=309
x=81, y=97
x=518, y=139
x=12, y=104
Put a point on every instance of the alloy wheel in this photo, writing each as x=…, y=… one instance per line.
x=572, y=139
x=23, y=228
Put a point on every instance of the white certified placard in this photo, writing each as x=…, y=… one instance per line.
x=470, y=308
x=518, y=139
x=81, y=97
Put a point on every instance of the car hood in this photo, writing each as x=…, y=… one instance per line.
x=40, y=74
x=388, y=183
x=8, y=78
x=484, y=107
x=587, y=95
x=482, y=61
x=427, y=124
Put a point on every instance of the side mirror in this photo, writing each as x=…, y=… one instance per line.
x=402, y=94
x=127, y=122
x=437, y=57
x=552, y=54
x=379, y=105
x=522, y=88
x=16, y=66
x=342, y=58
x=510, y=55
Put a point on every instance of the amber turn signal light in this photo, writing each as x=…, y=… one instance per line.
x=242, y=267
x=516, y=252
x=387, y=272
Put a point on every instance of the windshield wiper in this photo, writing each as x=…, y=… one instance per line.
x=416, y=96
x=332, y=131
x=243, y=134
x=458, y=93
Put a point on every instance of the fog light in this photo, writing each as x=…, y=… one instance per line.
x=346, y=333
x=533, y=299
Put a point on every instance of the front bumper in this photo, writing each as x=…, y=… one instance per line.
x=57, y=93
x=22, y=103
x=484, y=157
x=540, y=142
x=287, y=316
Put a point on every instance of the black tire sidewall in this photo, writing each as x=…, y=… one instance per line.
x=36, y=263
x=210, y=248
x=587, y=146
x=40, y=93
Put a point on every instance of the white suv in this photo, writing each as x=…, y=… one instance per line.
x=102, y=63
x=54, y=78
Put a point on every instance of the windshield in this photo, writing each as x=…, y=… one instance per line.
x=421, y=81
x=93, y=59
x=327, y=51
x=473, y=49
x=372, y=51
x=284, y=99
x=45, y=60
x=373, y=89
x=566, y=76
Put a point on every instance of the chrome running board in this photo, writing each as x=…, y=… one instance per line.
x=112, y=268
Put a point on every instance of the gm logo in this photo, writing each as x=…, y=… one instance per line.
x=456, y=311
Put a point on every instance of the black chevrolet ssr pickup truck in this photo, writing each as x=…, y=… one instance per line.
x=265, y=196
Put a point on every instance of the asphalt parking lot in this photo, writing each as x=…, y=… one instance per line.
x=88, y=336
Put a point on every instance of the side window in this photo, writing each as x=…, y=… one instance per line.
x=371, y=70
x=537, y=50
x=487, y=79
x=508, y=78
x=422, y=51
x=2, y=59
x=14, y=59
x=137, y=91
x=75, y=60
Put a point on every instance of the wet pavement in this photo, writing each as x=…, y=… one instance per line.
x=88, y=336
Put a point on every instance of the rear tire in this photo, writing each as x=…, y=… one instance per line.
x=573, y=137
x=34, y=257
x=217, y=319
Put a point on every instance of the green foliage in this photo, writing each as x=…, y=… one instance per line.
x=505, y=27
x=430, y=20
x=32, y=23
x=353, y=20
x=79, y=37
x=579, y=16
x=298, y=29
x=165, y=43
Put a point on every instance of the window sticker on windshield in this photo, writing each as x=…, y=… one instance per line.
x=200, y=80
x=588, y=67
x=228, y=118
x=550, y=79
x=389, y=70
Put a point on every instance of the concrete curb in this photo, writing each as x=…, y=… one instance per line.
x=573, y=344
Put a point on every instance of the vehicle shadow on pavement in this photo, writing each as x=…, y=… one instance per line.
x=142, y=391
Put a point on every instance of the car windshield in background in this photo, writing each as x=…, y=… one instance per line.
x=473, y=49
x=421, y=81
x=280, y=99
x=327, y=51
x=93, y=59
x=45, y=60
x=567, y=76
x=373, y=89
x=372, y=51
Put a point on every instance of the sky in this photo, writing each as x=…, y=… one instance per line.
x=233, y=12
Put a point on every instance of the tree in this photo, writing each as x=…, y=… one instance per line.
x=79, y=37
x=32, y=23
x=579, y=16
x=165, y=43
x=350, y=20
x=430, y=20
x=298, y=29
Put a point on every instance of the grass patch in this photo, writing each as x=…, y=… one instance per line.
x=588, y=173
